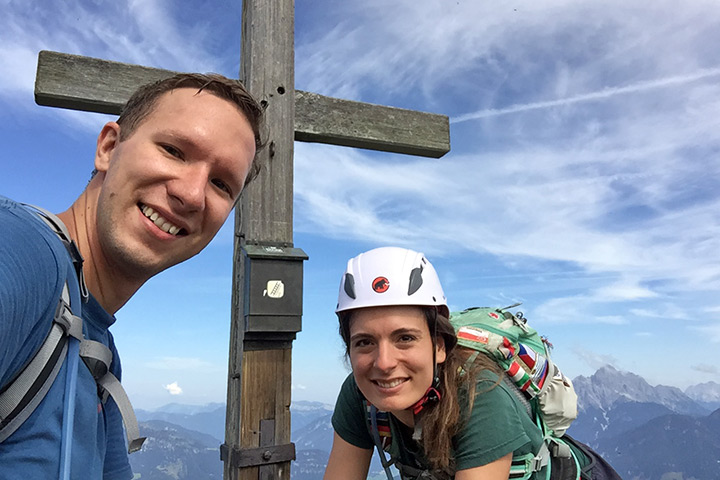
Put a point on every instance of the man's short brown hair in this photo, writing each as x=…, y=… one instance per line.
x=143, y=101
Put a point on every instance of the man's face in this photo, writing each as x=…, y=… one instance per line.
x=169, y=186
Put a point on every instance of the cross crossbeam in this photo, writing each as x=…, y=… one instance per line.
x=94, y=85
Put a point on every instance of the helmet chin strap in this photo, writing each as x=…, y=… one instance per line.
x=432, y=394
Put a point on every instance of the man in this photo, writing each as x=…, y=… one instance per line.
x=167, y=174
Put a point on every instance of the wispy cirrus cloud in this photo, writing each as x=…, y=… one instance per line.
x=608, y=163
x=603, y=94
x=146, y=33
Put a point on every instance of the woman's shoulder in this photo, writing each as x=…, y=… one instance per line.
x=497, y=424
x=350, y=389
x=349, y=416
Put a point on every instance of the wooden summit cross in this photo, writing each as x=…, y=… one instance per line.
x=257, y=436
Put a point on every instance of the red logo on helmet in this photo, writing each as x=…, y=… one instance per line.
x=380, y=285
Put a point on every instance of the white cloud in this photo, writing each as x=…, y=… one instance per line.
x=665, y=311
x=594, y=360
x=122, y=31
x=173, y=388
x=706, y=368
x=628, y=289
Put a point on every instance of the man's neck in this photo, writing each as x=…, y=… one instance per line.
x=108, y=287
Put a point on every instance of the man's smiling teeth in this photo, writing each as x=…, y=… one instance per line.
x=391, y=384
x=158, y=220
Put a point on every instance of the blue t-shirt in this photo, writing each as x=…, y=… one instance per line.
x=34, y=266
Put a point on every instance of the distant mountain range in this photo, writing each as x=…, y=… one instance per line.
x=173, y=452
x=645, y=432
x=649, y=432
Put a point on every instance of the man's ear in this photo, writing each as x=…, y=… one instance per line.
x=108, y=139
x=440, y=354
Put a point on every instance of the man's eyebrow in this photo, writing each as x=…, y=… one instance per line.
x=175, y=135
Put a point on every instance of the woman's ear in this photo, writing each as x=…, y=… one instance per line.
x=440, y=354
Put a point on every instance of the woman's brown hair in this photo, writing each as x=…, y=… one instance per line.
x=442, y=421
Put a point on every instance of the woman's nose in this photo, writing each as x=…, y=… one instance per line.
x=386, y=358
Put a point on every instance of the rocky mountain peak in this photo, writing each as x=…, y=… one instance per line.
x=609, y=385
x=704, y=392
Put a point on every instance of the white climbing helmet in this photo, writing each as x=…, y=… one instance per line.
x=390, y=276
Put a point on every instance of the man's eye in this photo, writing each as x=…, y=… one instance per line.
x=222, y=186
x=172, y=151
x=407, y=338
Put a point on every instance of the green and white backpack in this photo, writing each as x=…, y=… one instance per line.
x=525, y=357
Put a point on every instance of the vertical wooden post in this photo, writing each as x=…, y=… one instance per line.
x=258, y=375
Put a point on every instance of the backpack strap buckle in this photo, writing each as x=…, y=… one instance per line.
x=541, y=459
x=71, y=324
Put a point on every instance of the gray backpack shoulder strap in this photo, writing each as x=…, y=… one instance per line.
x=27, y=389
x=57, y=226
x=97, y=358
x=25, y=392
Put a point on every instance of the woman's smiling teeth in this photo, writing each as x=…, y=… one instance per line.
x=390, y=384
x=158, y=220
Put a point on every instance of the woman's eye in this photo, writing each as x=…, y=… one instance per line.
x=361, y=343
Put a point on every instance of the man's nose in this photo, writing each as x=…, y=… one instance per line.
x=189, y=188
x=386, y=358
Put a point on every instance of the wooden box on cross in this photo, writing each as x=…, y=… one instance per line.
x=273, y=294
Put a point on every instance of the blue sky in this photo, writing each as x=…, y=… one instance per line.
x=583, y=177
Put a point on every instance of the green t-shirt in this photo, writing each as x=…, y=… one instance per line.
x=498, y=424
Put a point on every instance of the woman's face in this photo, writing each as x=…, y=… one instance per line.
x=391, y=356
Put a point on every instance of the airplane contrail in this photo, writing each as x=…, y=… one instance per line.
x=604, y=93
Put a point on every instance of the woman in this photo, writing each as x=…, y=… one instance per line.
x=446, y=419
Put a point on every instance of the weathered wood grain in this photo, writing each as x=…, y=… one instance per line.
x=259, y=380
x=334, y=121
x=91, y=84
